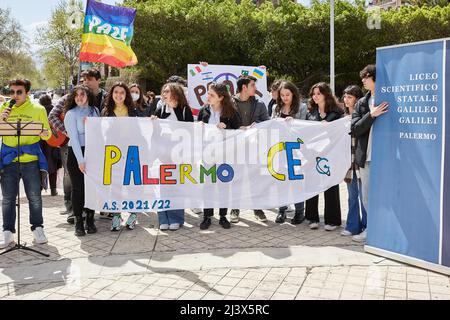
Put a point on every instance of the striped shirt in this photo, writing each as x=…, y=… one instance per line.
x=354, y=167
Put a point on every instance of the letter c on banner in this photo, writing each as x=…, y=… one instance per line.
x=272, y=151
x=112, y=156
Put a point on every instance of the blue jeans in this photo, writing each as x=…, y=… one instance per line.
x=299, y=208
x=365, y=183
x=356, y=223
x=171, y=216
x=32, y=182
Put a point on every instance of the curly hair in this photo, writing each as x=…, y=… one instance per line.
x=330, y=100
x=177, y=93
x=70, y=102
x=110, y=105
x=295, y=105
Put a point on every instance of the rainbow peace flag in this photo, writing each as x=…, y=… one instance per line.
x=107, y=35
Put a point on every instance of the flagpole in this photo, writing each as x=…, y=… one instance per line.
x=332, y=84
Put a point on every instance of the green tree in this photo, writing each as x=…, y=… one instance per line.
x=60, y=44
x=430, y=3
x=15, y=60
x=290, y=39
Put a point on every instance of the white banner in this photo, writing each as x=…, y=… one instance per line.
x=199, y=77
x=138, y=164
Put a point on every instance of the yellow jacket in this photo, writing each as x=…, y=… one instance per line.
x=27, y=112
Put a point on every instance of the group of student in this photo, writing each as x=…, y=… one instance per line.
x=226, y=112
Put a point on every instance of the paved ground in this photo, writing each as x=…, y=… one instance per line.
x=252, y=260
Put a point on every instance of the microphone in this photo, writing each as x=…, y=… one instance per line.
x=12, y=102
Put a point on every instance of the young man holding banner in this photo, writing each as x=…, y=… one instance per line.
x=362, y=120
x=251, y=110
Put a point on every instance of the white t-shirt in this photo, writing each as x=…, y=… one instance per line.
x=172, y=116
x=214, y=118
x=369, y=143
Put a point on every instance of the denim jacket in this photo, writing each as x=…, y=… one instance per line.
x=8, y=154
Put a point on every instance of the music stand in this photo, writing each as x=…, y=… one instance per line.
x=18, y=129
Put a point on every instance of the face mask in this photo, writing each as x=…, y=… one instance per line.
x=135, y=96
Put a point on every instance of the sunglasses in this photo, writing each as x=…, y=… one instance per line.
x=17, y=93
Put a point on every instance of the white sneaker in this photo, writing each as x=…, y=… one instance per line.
x=164, y=226
x=174, y=226
x=330, y=227
x=197, y=210
x=314, y=225
x=346, y=233
x=39, y=236
x=8, y=239
x=360, y=237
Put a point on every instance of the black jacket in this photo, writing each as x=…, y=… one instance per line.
x=183, y=114
x=270, y=107
x=99, y=100
x=314, y=115
x=148, y=111
x=361, y=123
x=258, y=111
x=232, y=123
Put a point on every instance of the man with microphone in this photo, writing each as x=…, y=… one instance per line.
x=32, y=161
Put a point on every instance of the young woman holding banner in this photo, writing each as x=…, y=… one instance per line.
x=356, y=223
x=119, y=103
x=175, y=107
x=323, y=107
x=221, y=113
x=142, y=108
x=288, y=106
x=79, y=106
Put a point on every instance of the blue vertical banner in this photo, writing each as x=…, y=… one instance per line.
x=446, y=185
x=408, y=216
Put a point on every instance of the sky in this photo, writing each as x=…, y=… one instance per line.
x=34, y=14
x=31, y=14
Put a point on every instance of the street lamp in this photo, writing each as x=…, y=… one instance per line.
x=332, y=45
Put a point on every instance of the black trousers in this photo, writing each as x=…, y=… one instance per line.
x=52, y=179
x=66, y=180
x=332, y=207
x=77, y=179
x=210, y=212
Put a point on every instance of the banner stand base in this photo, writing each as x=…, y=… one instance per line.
x=409, y=260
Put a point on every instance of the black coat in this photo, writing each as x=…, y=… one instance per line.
x=232, y=123
x=148, y=111
x=52, y=154
x=183, y=114
x=314, y=115
x=258, y=112
x=361, y=123
x=270, y=106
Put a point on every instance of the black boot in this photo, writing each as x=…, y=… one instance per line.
x=90, y=226
x=224, y=222
x=53, y=192
x=79, y=227
x=298, y=218
x=281, y=217
x=68, y=205
x=71, y=218
x=205, y=223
